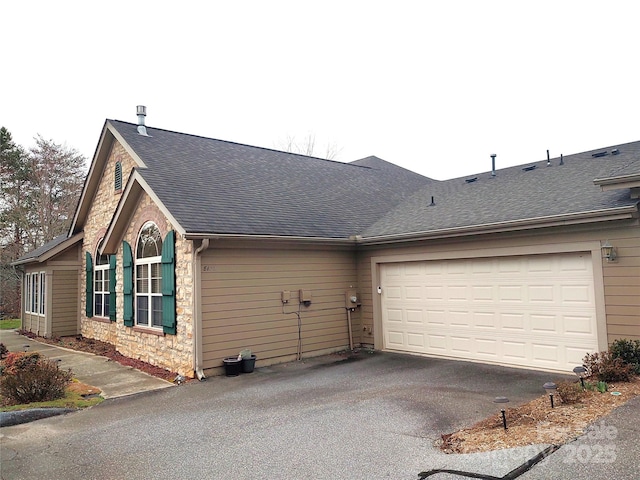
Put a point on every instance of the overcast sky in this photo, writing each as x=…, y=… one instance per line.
x=433, y=86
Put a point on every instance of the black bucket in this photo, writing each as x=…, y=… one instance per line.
x=232, y=366
x=248, y=364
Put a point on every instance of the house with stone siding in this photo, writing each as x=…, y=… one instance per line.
x=185, y=250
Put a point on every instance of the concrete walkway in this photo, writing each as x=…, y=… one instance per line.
x=113, y=379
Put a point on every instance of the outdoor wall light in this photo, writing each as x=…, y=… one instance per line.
x=581, y=372
x=550, y=388
x=504, y=417
x=608, y=251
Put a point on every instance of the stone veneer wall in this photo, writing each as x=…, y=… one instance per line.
x=173, y=352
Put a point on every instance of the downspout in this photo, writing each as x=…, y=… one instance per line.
x=197, y=309
x=349, y=310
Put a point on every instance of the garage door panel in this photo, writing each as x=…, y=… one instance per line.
x=485, y=320
x=579, y=326
x=514, y=351
x=510, y=293
x=416, y=339
x=487, y=347
x=512, y=321
x=543, y=324
x=540, y=265
x=456, y=268
x=456, y=293
x=437, y=343
x=414, y=316
x=394, y=316
x=545, y=354
x=460, y=318
x=534, y=311
x=436, y=318
x=541, y=294
x=575, y=263
x=480, y=293
x=462, y=345
x=509, y=265
x=434, y=292
x=574, y=354
x=580, y=294
x=395, y=339
x=413, y=293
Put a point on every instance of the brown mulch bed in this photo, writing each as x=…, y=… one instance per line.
x=537, y=423
x=89, y=345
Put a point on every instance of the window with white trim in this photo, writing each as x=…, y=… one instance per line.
x=34, y=293
x=101, y=286
x=42, y=293
x=149, y=277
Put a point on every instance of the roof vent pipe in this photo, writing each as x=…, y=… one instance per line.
x=493, y=164
x=561, y=160
x=433, y=203
x=548, y=159
x=141, y=111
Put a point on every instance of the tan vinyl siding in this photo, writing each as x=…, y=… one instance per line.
x=69, y=255
x=33, y=323
x=242, y=307
x=622, y=286
x=65, y=303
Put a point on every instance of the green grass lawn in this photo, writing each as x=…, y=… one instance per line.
x=9, y=323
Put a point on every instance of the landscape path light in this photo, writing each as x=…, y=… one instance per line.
x=504, y=416
x=580, y=372
x=550, y=388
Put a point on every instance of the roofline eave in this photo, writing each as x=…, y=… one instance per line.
x=619, y=213
x=280, y=238
x=52, y=252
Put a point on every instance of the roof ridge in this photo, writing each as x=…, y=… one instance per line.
x=240, y=144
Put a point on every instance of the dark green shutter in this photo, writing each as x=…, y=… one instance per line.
x=127, y=284
x=89, y=286
x=169, y=284
x=112, y=288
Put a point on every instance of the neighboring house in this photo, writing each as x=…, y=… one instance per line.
x=185, y=250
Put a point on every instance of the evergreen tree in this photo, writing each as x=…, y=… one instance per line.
x=40, y=190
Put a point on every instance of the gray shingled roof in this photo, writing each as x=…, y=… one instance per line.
x=514, y=194
x=214, y=186
x=50, y=245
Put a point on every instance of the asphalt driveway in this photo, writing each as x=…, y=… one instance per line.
x=370, y=417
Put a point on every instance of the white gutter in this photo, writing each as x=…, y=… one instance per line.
x=197, y=309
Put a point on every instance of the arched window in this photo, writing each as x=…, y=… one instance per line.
x=101, y=286
x=149, y=276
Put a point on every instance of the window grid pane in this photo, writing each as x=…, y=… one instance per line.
x=142, y=278
x=105, y=305
x=157, y=311
x=142, y=311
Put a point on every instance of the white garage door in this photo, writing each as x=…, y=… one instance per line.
x=536, y=311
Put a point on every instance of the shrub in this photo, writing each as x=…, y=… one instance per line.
x=570, y=392
x=607, y=368
x=29, y=377
x=627, y=350
x=3, y=350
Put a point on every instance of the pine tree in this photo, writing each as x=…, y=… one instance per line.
x=40, y=190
